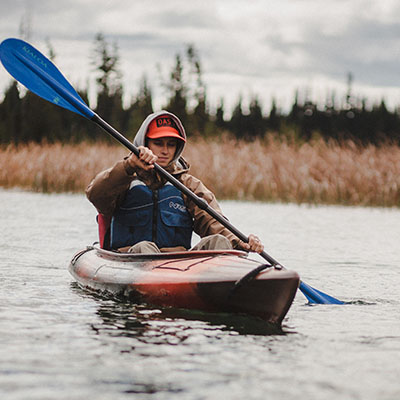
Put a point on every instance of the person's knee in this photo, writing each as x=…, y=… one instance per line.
x=214, y=242
x=144, y=247
x=221, y=242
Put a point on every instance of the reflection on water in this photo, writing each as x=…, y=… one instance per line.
x=121, y=317
x=61, y=342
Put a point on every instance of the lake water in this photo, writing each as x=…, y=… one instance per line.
x=59, y=342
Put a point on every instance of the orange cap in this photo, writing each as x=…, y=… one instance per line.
x=163, y=126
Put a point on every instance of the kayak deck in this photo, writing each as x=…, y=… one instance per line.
x=214, y=281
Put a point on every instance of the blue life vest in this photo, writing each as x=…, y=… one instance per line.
x=158, y=216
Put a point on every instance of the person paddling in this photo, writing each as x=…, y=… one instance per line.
x=147, y=213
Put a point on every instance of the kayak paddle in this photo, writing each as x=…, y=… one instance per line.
x=35, y=71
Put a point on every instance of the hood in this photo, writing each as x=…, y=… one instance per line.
x=140, y=137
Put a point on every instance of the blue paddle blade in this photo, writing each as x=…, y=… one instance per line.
x=314, y=296
x=35, y=71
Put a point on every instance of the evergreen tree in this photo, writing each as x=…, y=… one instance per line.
x=109, y=96
x=200, y=115
x=177, y=91
x=256, y=125
x=237, y=121
x=186, y=92
x=274, y=119
x=295, y=112
x=141, y=107
x=386, y=124
x=219, y=116
x=10, y=114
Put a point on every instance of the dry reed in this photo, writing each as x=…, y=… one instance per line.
x=270, y=170
x=54, y=167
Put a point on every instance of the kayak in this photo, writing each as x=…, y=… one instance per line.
x=211, y=281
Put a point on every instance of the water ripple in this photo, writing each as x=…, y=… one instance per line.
x=59, y=341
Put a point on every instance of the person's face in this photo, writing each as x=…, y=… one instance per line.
x=164, y=149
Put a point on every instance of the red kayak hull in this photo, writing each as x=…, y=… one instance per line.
x=201, y=280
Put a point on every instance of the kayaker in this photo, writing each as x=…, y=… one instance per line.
x=147, y=213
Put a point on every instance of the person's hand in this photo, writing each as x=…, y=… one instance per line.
x=253, y=245
x=145, y=160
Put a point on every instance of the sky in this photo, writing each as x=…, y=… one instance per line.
x=266, y=49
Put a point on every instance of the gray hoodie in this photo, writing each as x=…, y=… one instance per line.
x=140, y=138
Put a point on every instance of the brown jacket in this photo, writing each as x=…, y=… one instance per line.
x=107, y=191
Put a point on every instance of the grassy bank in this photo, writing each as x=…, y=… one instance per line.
x=271, y=171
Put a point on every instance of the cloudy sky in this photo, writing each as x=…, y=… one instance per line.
x=268, y=48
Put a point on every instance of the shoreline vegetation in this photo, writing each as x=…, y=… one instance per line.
x=272, y=170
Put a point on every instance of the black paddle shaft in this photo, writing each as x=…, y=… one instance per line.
x=201, y=203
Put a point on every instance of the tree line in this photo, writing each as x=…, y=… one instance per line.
x=24, y=117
